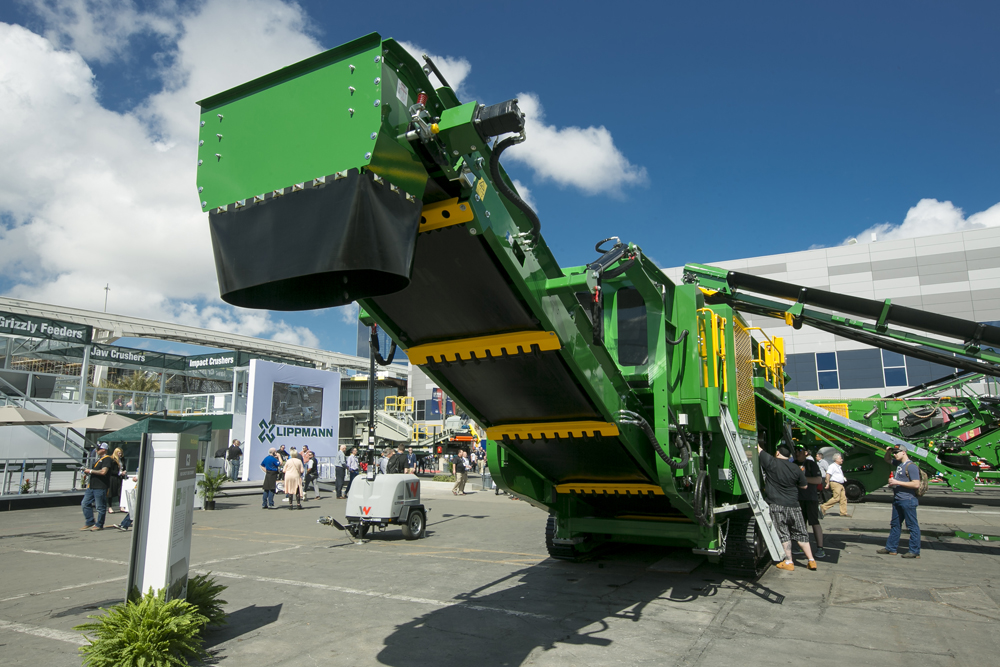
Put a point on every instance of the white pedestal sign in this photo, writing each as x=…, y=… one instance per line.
x=161, y=548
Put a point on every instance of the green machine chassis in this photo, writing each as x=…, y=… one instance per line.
x=612, y=398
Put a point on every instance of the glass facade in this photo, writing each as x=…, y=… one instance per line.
x=859, y=369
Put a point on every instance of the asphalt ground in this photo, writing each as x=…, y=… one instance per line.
x=480, y=590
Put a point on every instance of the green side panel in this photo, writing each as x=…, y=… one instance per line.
x=292, y=125
x=457, y=129
x=399, y=166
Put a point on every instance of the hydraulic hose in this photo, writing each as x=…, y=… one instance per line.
x=680, y=339
x=628, y=417
x=620, y=269
x=704, y=504
x=498, y=182
x=373, y=341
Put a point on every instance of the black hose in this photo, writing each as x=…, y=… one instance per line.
x=498, y=182
x=704, y=504
x=680, y=339
x=683, y=446
x=373, y=341
x=620, y=269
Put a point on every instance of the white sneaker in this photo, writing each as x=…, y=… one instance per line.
x=285, y=500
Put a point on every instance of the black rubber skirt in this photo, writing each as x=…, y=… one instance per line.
x=325, y=245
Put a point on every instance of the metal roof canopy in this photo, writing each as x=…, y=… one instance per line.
x=134, y=432
x=119, y=326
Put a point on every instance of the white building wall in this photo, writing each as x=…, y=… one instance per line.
x=955, y=274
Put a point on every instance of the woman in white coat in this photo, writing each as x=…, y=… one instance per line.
x=293, y=480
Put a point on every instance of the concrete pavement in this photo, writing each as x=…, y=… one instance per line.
x=480, y=589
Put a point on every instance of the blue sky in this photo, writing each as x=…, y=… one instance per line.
x=745, y=128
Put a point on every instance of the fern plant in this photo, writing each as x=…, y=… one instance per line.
x=204, y=593
x=150, y=632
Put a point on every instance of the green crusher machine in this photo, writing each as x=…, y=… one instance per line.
x=626, y=407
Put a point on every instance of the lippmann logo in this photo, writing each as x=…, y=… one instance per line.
x=266, y=431
x=271, y=431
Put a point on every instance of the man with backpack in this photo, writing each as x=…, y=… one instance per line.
x=398, y=463
x=906, y=487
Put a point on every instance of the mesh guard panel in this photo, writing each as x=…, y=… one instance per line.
x=836, y=408
x=743, y=356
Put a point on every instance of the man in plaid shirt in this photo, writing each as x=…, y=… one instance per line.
x=783, y=481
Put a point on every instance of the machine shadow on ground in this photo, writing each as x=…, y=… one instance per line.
x=241, y=623
x=555, y=602
x=876, y=541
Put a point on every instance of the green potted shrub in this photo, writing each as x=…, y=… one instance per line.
x=148, y=631
x=210, y=486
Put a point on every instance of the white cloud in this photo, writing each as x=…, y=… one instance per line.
x=99, y=30
x=524, y=192
x=90, y=197
x=455, y=70
x=349, y=313
x=930, y=217
x=584, y=157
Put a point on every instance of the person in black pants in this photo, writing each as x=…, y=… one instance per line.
x=340, y=470
x=784, y=479
x=809, y=497
x=270, y=467
x=312, y=474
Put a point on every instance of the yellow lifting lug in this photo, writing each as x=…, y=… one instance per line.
x=518, y=342
x=551, y=430
x=445, y=214
x=610, y=489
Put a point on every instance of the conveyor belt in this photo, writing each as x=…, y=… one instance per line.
x=456, y=291
x=459, y=292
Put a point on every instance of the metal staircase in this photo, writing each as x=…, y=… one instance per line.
x=66, y=440
x=748, y=480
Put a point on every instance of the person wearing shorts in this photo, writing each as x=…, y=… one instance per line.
x=784, y=479
x=809, y=497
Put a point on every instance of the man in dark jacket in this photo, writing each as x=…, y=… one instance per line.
x=784, y=479
x=233, y=456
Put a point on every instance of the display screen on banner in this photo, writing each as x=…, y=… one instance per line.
x=296, y=404
x=292, y=406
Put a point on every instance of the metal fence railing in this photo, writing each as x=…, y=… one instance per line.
x=31, y=476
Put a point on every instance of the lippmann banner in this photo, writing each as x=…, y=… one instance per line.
x=292, y=406
x=39, y=327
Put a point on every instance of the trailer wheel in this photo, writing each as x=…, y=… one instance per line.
x=415, y=525
x=746, y=553
x=855, y=491
x=363, y=530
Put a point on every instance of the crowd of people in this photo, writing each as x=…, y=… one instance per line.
x=795, y=483
x=286, y=470
x=107, y=483
x=800, y=488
